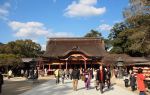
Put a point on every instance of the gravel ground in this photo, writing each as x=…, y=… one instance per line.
x=120, y=83
x=18, y=85
x=50, y=88
x=47, y=86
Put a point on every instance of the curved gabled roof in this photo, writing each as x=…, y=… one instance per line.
x=59, y=47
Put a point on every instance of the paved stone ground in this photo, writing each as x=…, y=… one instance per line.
x=50, y=88
x=18, y=85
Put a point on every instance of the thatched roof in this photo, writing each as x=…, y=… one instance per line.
x=59, y=47
x=113, y=58
x=90, y=47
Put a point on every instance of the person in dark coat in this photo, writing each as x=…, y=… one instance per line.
x=75, y=76
x=132, y=81
x=108, y=77
x=126, y=80
x=1, y=82
x=36, y=74
x=101, y=78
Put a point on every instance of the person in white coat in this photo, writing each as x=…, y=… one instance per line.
x=9, y=74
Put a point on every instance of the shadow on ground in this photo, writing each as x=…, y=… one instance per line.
x=49, y=88
x=18, y=87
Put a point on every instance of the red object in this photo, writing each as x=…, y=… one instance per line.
x=140, y=82
x=101, y=75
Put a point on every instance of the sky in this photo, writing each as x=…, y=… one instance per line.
x=42, y=19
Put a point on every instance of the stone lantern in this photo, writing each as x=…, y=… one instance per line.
x=120, y=64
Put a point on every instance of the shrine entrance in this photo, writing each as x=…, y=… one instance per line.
x=78, y=60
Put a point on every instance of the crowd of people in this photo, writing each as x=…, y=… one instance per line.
x=100, y=76
x=29, y=74
x=134, y=80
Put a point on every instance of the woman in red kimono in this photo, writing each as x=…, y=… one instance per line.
x=140, y=82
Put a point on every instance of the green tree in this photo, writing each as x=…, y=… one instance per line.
x=133, y=37
x=12, y=52
x=118, y=41
x=108, y=44
x=93, y=33
x=117, y=28
x=1, y=43
x=2, y=48
x=140, y=36
x=26, y=48
x=96, y=34
x=9, y=59
x=22, y=48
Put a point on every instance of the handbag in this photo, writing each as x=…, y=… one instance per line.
x=83, y=78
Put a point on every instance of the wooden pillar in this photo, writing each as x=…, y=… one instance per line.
x=43, y=66
x=85, y=64
x=66, y=65
x=40, y=65
x=49, y=66
x=80, y=65
x=91, y=65
x=59, y=65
